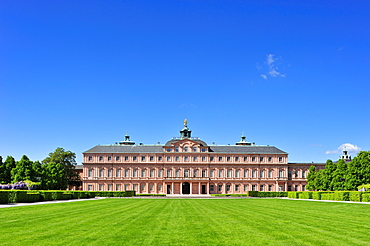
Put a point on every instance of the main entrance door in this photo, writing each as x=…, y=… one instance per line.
x=168, y=189
x=204, y=189
x=185, y=188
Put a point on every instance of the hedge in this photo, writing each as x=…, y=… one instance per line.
x=356, y=196
x=127, y=193
x=267, y=193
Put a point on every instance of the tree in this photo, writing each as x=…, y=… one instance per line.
x=338, y=176
x=54, y=176
x=23, y=170
x=6, y=169
x=68, y=161
x=311, y=178
x=358, y=170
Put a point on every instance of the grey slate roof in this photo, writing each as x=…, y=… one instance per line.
x=159, y=149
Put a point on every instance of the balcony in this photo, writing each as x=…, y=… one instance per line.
x=185, y=178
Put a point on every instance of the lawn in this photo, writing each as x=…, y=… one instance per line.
x=187, y=222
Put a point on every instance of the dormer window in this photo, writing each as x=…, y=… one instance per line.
x=203, y=150
x=186, y=149
x=177, y=149
x=195, y=149
x=168, y=150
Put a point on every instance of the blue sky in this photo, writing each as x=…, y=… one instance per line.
x=292, y=74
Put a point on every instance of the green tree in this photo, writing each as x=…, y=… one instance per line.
x=358, y=171
x=311, y=178
x=23, y=170
x=6, y=170
x=68, y=161
x=326, y=175
x=339, y=176
x=54, y=176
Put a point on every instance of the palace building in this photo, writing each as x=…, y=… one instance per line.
x=188, y=165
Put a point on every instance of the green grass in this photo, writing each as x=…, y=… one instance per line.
x=187, y=222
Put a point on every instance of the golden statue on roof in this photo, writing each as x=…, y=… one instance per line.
x=185, y=122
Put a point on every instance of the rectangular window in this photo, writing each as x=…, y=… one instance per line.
x=296, y=174
x=117, y=158
x=134, y=173
x=261, y=187
x=118, y=187
x=143, y=173
x=280, y=159
x=236, y=158
x=100, y=158
x=236, y=173
x=195, y=173
x=177, y=158
x=203, y=173
x=280, y=173
x=143, y=158
x=220, y=158
x=195, y=158
x=152, y=173
x=245, y=187
x=303, y=174
x=227, y=187
x=101, y=187
x=160, y=173
x=135, y=187
x=110, y=186
x=126, y=158
x=220, y=173
x=281, y=188
x=90, y=158
x=220, y=188
x=134, y=158
x=126, y=173
x=303, y=187
x=151, y=158
x=159, y=158
x=203, y=158
x=211, y=158
x=262, y=174
x=212, y=173
x=253, y=187
x=151, y=187
x=109, y=158
x=289, y=174
x=118, y=173
x=177, y=173
x=168, y=173
x=90, y=173
x=126, y=187
x=270, y=173
x=211, y=188
x=168, y=158
x=186, y=173
x=261, y=159
x=109, y=172
x=253, y=158
x=160, y=187
x=254, y=174
x=229, y=173
x=270, y=187
x=245, y=173
x=245, y=158
x=228, y=158
x=270, y=159
x=101, y=173
x=143, y=187
x=89, y=188
x=186, y=158
x=236, y=187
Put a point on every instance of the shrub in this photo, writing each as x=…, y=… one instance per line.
x=252, y=193
x=355, y=196
x=294, y=194
x=316, y=195
x=327, y=196
x=366, y=197
x=341, y=196
x=305, y=195
x=4, y=197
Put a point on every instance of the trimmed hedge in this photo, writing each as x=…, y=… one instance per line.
x=150, y=195
x=267, y=193
x=127, y=193
x=355, y=196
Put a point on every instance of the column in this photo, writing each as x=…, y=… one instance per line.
x=199, y=184
x=180, y=188
x=191, y=188
x=207, y=188
x=172, y=188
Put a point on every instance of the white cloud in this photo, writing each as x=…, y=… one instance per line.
x=351, y=148
x=272, y=69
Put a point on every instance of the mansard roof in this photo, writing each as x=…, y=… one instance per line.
x=226, y=149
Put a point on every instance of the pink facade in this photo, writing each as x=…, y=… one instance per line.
x=188, y=165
